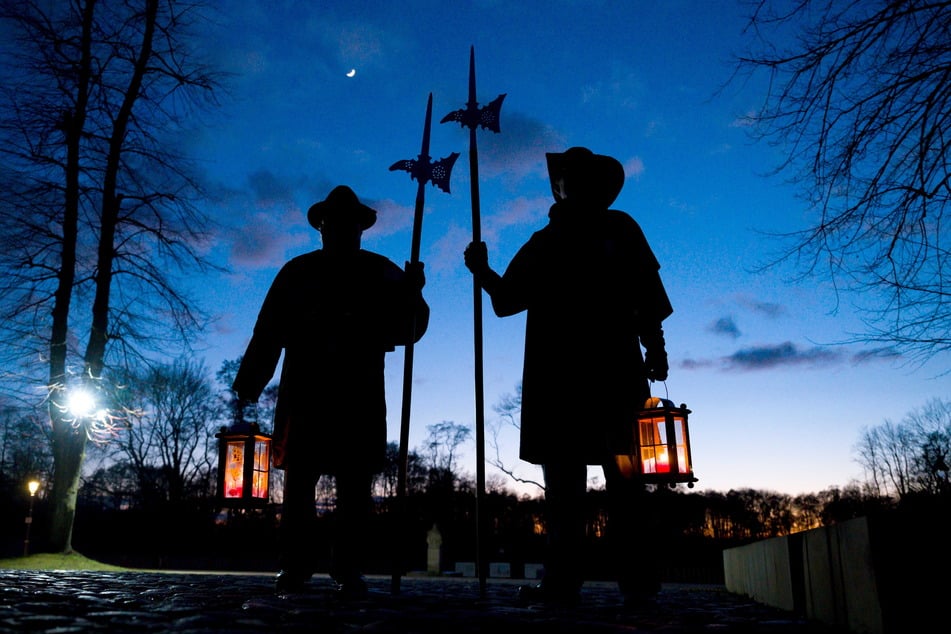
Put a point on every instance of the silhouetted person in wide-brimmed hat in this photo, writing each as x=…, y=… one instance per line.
x=334, y=313
x=590, y=286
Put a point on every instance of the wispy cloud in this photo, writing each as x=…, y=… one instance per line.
x=521, y=211
x=262, y=221
x=695, y=364
x=725, y=326
x=624, y=89
x=520, y=151
x=446, y=251
x=875, y=354
x=767, y=309
x=634, y=167
x=788, y=354
x=783, y=354
x=269, y=190
x=266, y=236
x=391, y=217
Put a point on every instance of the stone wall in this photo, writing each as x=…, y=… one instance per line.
x=881, y=574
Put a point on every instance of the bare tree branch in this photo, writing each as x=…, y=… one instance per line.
x=860, y=104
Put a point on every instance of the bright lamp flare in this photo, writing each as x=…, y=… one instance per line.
x=81, y=403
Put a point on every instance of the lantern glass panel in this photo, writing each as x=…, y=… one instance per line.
x=234, y=469
x=261, y=463
x=653, y=442
x=681, y=439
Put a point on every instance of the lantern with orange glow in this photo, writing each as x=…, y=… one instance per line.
x=244, y=457
x=661, y=447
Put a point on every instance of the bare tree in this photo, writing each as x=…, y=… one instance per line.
x=931, y=426
x=859, y=101
x=806, y=512
x=910, y=457
x=509, y=409
x=115, y=486
x=440, y=454
x=98, y=214
x=888, y=454
x=169, y=438
x=384, y=483
x=839, y=504
x=24, y=448
x=264, y=408
x=443, y=442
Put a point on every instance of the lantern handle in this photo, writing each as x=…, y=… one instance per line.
x=666, y=391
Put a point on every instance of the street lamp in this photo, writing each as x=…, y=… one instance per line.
x=33, y=486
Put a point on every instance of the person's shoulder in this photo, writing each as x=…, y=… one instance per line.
x=303, y=260
x=372, y=261
x=619, y=218
x=377, y=258
x=623, y=222
x=303, y=264
x=371, y=255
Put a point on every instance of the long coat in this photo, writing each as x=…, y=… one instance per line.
x=334, y=317
x=591, y=287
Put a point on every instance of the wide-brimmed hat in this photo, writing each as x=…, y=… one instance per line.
x=595, y=177
x=341, y=200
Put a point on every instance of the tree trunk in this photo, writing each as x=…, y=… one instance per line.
x=69, y=450
x=69, y=443
x=111, y=203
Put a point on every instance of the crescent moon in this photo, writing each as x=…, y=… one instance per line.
x=353, y=71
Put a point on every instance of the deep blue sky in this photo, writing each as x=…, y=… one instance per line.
x=775, y=404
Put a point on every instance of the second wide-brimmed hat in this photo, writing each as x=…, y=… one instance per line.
x=341, y=200
x=595, y=177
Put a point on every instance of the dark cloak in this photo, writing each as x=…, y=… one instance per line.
x=591, y=287
x=335, y=317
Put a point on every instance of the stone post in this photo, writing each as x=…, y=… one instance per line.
x=434, y=553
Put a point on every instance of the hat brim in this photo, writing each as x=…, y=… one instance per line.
x=605, y=173
x=364, y=216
